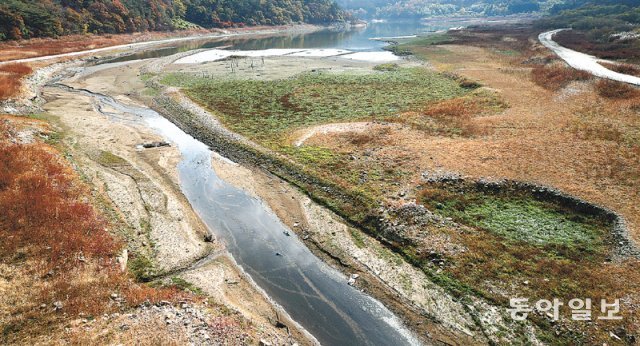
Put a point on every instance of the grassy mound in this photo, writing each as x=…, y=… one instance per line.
x=265, y=110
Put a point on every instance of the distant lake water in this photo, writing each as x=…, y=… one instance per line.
x=355, y=39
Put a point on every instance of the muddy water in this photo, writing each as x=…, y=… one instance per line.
x=314, y=294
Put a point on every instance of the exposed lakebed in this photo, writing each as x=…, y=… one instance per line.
x=314, y=294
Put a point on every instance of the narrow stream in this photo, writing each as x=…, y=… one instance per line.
x=314, y=294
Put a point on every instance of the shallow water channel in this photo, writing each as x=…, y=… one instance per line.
x=313, y=294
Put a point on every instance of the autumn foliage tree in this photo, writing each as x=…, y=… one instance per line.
x=20, y=19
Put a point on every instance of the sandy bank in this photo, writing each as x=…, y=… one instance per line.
x=219, y=54
x=142, y=187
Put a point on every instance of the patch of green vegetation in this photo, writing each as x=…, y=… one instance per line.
x=38, y=116
x=529, y=221
x=11, y=328
x=405, y=281
x=181, y=80
x=150, y=92
x=518, y=218
x=489, y=101
x=141, y=267
x=388, y=255
x=267, y=110
x=54, y=138
x=109, y=159
x=147, y=76
x=425, y=50
x=386, y=67
x=407, y=47
x=358, y=238
x=145, y=226
x=398, y=50
x=181, y=24
x=223, y=309
x=311, y=154
x=185, y=285
x=517, y=244
x=430, y=40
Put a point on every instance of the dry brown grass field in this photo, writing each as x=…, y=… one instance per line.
x=561, y=128
x=571, y=138
x=11, y=76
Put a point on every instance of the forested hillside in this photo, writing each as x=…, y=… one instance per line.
x=50, y=18
x=605, y=16
x=430, y=8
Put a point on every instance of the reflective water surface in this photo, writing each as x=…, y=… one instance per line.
x=313, y=294
x=356, y=39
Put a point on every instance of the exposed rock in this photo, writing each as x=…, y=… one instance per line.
x=123, y=259
x=155, y=145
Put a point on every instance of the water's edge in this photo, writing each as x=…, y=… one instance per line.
x=309, y=290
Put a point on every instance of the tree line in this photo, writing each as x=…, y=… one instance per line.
x=600, y=20
x=21, y=19
x=434, y=8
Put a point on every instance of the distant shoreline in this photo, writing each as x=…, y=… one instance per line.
x=27, y=51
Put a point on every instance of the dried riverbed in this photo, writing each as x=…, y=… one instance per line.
x=365, y=328
x=406, y=290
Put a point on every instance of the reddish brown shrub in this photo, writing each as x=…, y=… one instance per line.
x=10, y=79
x=46, y=221
x=616, y=90
x=19, y=69
x=629, y=69
x=453, y=117
x=453, y=108
x=41, y=207
x=555, y=77
x=8, y=86
x=604, y=49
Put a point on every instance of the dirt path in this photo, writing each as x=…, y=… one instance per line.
x=584, y=62
x=299, y=137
